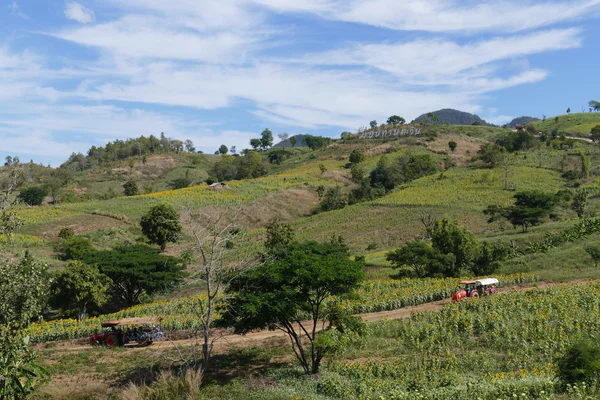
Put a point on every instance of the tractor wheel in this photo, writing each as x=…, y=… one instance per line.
x=112, y=341
x=475, y=294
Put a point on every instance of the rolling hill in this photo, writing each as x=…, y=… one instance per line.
x=452, y=117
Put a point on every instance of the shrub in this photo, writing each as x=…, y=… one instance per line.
x=66, y=233
x=580, y=363
x=357, y=156
x=33, y=196
x=130, y=188
x=76, y=248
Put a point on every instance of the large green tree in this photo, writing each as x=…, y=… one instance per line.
x=530, y=208
x=23, y=290
x=136, y=271
x=79, y=287
x=161, y=225
x=266, y=139
x=33, y=196
x=295, y=293
x=449, y=238
x=422, y=260
x=395, y=120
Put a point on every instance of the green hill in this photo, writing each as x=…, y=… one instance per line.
x=452, y=117
x=579, y=124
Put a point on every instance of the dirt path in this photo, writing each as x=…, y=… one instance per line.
x=253, y=338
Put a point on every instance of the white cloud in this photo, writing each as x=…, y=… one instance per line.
x=79, y=13
x=16, y=11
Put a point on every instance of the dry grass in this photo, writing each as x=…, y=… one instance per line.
x=466, y=147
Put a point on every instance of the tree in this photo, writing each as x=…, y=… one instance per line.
x=395, y=120
x=180, y=183
x=266, y=139
x=316, y=142
x=66, y=233
x=580, y=202
x=76, y=248
x=256, y=144
x=529, y=209
x=223, y=149
x=58, y=179
x=279, y=235
x=569, y=110
x=79, y=287
x=357, y=156
x=9, y=184
x=594, y=252
x=358, y=173
x=594, y=105
x=373, y=124
x=33, y=196
x=136, y=271
x=283, y=137
x=334, y=199
x=293, y=141
x=211, y=264
x=161, y=225
x=130, y=188
x=422, y=260
x=23, y=290
x=595, y=134
x=189, y=146
x=304, y=280
x=452, y=145
x=449, y=238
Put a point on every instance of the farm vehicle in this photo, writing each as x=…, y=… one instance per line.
x=476, y=288
x=142, y=331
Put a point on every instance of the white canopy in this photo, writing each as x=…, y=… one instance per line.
x=487, y=281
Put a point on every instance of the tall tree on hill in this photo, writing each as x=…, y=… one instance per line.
x=161, y=225
x=293, y=141
x=373, y=124
x=9, y=184
x=223, y=149
x=594, y=105
x=396, y=120
x=266, y=139
x=569, y=110
x=189, y=146
x=283, y=136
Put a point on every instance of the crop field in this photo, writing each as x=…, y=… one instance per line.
x=44, y=214
x=379, y=295
x=501, y=347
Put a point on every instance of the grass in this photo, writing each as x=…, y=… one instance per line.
x=577, y=123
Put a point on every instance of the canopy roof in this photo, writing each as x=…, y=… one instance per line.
x=133, y=321
x=488, y=281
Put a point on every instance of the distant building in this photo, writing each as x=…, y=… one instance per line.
x=217, y=186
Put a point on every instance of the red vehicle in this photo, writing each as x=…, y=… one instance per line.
x=143, y=331
x=476, y=288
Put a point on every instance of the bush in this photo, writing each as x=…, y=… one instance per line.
x=66, y=233
x=357, y=156
x=33, y=196
x=76, y=248
x=130, y=188
x=581, y=363
x=334, y=199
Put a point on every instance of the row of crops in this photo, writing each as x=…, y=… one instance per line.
x=180, y=314
x=502, y=348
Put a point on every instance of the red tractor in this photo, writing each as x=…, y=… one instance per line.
x=143, y=331
x=476, y=288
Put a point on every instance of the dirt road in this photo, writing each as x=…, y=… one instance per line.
x=253, y=338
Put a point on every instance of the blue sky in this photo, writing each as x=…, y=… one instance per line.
x=76, y=74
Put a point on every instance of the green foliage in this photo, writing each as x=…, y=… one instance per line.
x=293, y=140
x=594, y=252
x=490, y=154
x=358, y=173
x=76, y=248
x=80, y=287
x=316, y=142
x=137, y=271
x=529, y=210
x=298, y=284
x=180, y=183
x=586, y=165
x=449, y=238
x=579, y=202
x=521, y=140
x=66, y=233
x=161, y=225
x=390, y=173
x=23, y=289
x=395, y=120
x=489, y=259
x=334, y=199
x=580, y=363
x=266, y=139
x=223, y=149
x=130, y=188
x=33, y=196
x=278, y=156
x=279, y=235
x=250, y=165
x=595, y=134
x=357, y=156
x=418, y=259
x=373, y=124
x=452, y=145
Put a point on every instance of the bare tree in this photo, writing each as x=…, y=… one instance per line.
x=283, y=136
x=506, y=162
x=9, y=220
x=211, y=260
x=427, y=219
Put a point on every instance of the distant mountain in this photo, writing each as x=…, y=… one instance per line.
x=522, y=121
x=453, y=117
x=286, y=143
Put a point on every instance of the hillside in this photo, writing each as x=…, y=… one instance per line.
x=292, y=192
x=452, y=117
x=579, y=124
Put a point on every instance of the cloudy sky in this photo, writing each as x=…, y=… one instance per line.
x=77, y=73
